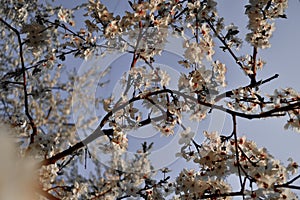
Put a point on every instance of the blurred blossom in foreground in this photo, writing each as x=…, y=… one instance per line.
x=16, y=174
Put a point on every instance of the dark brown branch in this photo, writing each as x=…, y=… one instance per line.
x=197, y=146
x=12, y=82
x=252, y=85
x=237, y=157
x=253, y=76
x=288, y=186
x=293, y=180
x=181, y=13
x=75, y=147
x=276, y=112
x=26, y=102
x=98, y=132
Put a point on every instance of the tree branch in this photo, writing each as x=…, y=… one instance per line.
x=251, y=85
x=26, y=104
x=253, y=76
x=237, y=157
x=98, y=132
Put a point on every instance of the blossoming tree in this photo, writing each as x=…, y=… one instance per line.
x=45, y=99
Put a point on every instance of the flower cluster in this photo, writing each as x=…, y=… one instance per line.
x=217, y=159
x=196, y=51
x=131, y=177
x=204, y=82
x=47, y=175
x=245, y=99
x=218, y=76
x=190, y=184
x=186, y=136
x=286, y=97
x=260, y=13
x=66, y=15
x=198, y=10
x=231, y=36
x=37, y=35
x=99, y=12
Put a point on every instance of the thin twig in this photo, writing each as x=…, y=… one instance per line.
x=226, y=46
